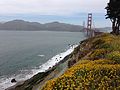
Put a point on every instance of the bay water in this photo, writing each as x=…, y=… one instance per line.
x=23, y=51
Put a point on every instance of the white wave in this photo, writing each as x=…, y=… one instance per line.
x=6, y=82
x=40, y=55
x=56, y=59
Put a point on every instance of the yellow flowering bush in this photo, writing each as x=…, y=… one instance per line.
x=93, y=75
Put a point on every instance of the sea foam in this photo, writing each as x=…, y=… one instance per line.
x=6, y=82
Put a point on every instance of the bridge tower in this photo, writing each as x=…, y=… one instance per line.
x=90, y=32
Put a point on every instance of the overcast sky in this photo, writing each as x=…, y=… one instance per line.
x=54, y=7
x=15, y=9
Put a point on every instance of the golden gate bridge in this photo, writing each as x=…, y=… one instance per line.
x=90, y=29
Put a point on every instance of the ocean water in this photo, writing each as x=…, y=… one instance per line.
x=25, y=53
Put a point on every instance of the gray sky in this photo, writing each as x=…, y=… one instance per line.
x=67, y=11
x=51, y=7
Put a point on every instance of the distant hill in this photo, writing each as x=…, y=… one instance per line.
x=105, y=29
x=22, y=25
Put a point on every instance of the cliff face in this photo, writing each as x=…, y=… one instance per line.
x=94, y=65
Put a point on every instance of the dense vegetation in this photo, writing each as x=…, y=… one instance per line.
x=97, y=68
x=113, y=13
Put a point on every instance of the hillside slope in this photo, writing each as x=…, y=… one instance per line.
x=21, y=25
x=94, y=65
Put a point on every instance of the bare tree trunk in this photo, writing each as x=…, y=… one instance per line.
x=113, y=27
x=117, y=27
x=117, y=33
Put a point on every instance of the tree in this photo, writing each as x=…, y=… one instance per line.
x=113, y=13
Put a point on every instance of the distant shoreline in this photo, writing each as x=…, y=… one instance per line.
x=21, y=25
x=42, y=30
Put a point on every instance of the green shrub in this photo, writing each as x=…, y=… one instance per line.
x=115, y=55
x=98, y=53
x=97, y=42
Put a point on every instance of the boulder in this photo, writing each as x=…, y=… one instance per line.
x=13, y=80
